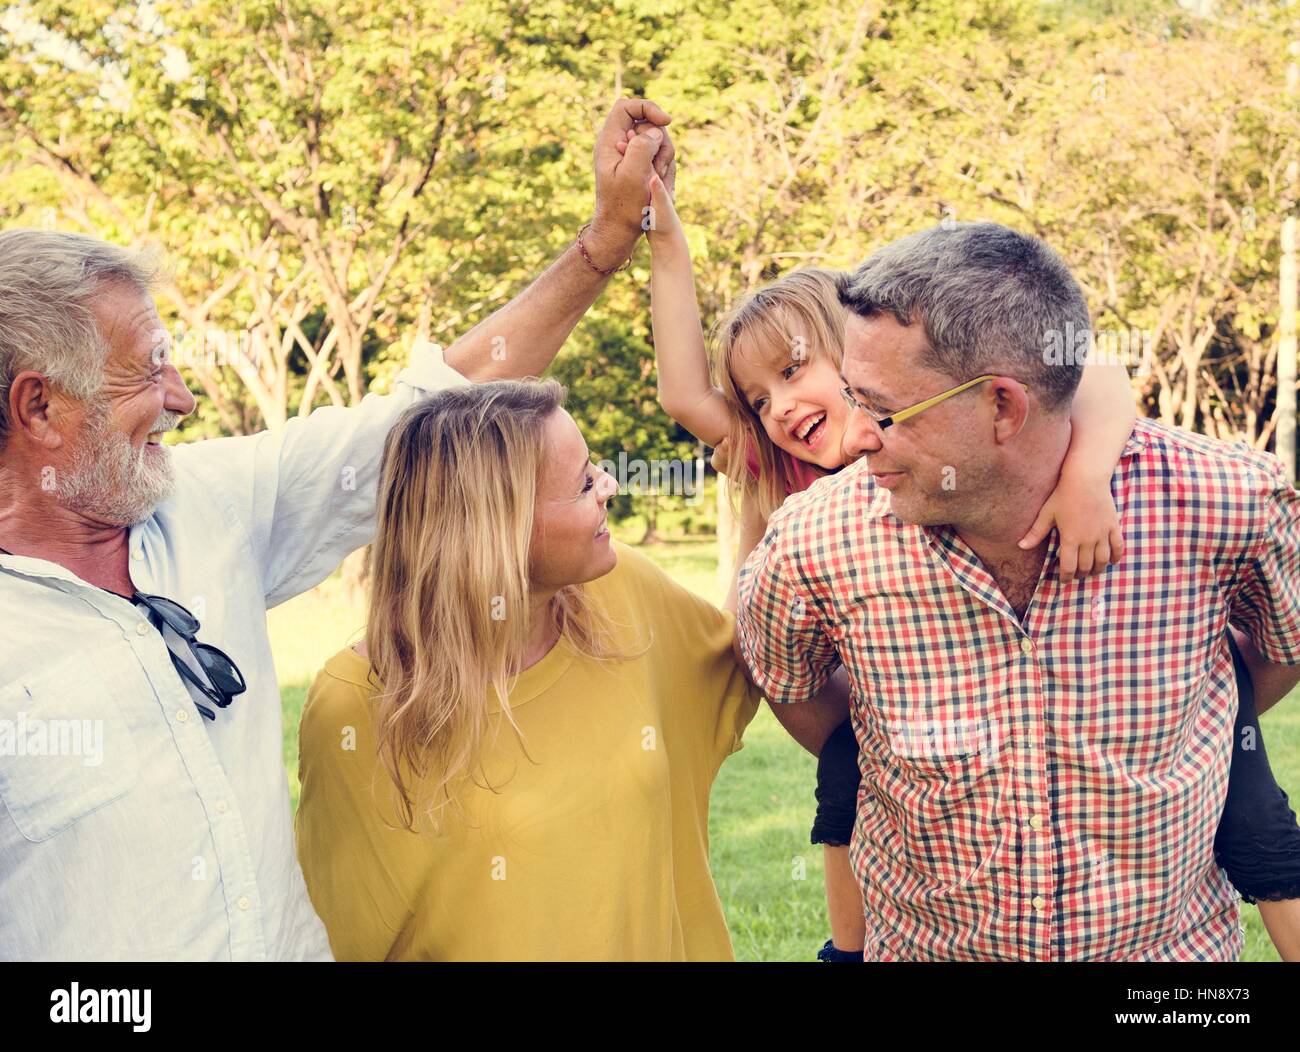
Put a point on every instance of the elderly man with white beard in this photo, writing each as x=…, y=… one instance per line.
x=135, y=581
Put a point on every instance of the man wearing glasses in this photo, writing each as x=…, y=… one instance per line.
x=1043, y=763
x=135, y=582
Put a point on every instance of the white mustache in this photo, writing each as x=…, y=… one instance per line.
x=166, y=422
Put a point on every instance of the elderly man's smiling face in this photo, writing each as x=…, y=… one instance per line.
x=115, y=469
x=933, y=464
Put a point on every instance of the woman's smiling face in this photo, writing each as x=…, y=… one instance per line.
x=570, y=541
x=796, y=397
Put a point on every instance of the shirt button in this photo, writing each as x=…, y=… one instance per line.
x=182, y=716
x=1036, y=822
x=243, y=903
x=222, y=807
x=1026, y=646
x=1039, y=902
x=137, y=554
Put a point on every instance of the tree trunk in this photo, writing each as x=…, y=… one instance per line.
x=651, y=507
x=728, y=535
x=354, y=574
x=1286, y=352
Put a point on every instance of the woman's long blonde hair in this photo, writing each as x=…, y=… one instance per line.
x=800, y=312
x=449, y=594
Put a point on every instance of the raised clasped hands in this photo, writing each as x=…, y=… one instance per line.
x=632, y=145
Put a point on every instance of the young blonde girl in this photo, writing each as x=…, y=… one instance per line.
x=770, y=398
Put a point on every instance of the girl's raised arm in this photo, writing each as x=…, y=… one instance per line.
x=685, y=391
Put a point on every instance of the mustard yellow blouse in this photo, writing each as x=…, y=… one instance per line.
x=597, y=849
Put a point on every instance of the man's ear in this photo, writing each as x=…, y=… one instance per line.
x=1010, y=408
x=30, y=403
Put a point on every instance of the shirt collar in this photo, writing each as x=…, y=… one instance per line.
x=44, y=569
x=29, y=566
x=1137, y=440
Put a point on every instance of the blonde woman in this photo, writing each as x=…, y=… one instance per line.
x=516, y=764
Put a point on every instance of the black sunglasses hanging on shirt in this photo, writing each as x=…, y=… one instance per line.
x=225, y=681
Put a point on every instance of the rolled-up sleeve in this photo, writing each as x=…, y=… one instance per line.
x=1266, y=602
x=788, y=653
x=305, y=493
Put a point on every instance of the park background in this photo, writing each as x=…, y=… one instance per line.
x=331, y=183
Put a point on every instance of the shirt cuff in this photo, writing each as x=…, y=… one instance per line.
x=427, y=370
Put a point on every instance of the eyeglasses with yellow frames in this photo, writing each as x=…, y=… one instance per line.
x=886, y=420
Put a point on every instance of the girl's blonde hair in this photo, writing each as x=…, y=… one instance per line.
x=449, y=595
x=791, y=319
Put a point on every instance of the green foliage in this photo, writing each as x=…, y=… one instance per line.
x=330, y=182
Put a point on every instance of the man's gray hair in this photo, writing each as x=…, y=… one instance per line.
x=991, y=300
x=48, y=280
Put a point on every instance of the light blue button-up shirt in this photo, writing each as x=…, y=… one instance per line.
x=130, y=826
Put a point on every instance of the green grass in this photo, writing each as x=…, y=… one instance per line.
x=768, y=875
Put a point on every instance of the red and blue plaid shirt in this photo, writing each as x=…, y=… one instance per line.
x=1048, y=788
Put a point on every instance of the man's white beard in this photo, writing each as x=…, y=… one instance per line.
x=109, y=480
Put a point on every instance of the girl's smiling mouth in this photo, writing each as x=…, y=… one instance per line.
x=810, y=429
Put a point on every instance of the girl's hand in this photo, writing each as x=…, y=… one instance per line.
x=1088, y=524
x=663, y=227
x=721, y=454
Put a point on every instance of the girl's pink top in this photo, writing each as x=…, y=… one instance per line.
x=798, y=474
